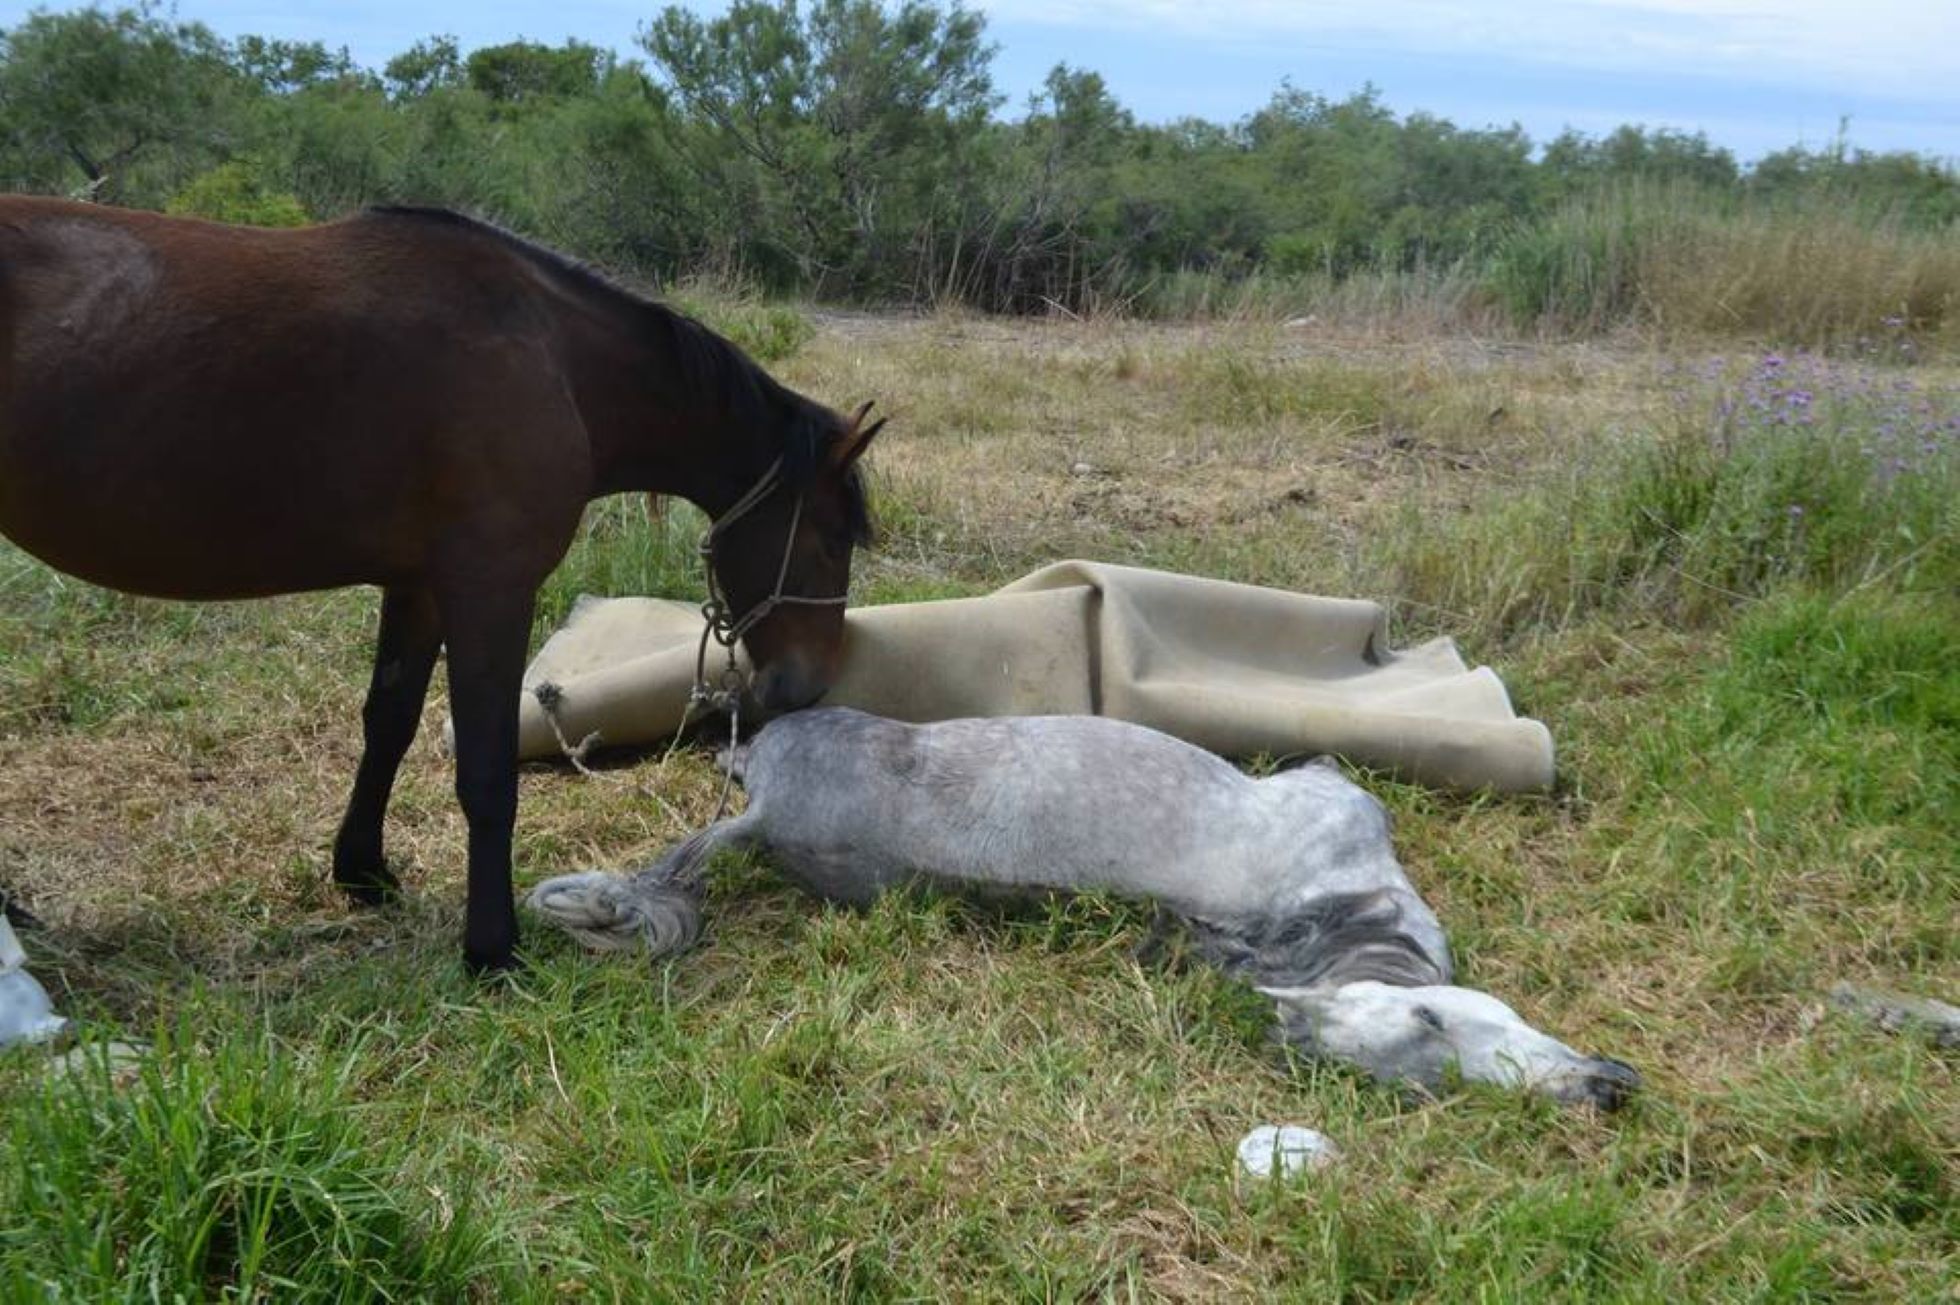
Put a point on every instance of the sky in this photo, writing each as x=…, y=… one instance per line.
x=1755, y=75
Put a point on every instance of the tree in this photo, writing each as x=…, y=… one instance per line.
x=1045, y=233
x=1332, y=168
x=286, y=66
x=117, y=105
x=834, y=132
x=1574, y=162
x=526, y=72
x=425, y=67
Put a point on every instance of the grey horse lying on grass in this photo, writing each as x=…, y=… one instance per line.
x=1289, y=882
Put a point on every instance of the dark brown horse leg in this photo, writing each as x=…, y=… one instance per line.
x=486, y=635
x=404, y=655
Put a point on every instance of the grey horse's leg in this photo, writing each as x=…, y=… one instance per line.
x=660, y=906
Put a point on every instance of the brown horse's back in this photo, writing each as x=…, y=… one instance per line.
x=414, y=400
x=198, y=411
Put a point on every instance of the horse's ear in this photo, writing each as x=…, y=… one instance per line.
x=858, y=439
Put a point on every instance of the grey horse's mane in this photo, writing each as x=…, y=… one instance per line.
x=1345, y=938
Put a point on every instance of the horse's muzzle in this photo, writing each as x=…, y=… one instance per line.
x=790, y=683
x=1607, y=1083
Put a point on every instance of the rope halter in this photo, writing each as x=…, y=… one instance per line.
x=727, y=629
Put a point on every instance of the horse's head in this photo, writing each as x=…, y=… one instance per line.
x=1422, y=1035
x=783, y=563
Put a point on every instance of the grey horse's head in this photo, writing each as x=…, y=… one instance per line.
x=1420, y=1034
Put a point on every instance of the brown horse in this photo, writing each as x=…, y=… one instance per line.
x=408, y=399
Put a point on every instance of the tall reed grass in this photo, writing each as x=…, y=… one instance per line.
x=1435, y=299
x=1822, y=272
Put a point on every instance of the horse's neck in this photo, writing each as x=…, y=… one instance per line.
x=654, y=427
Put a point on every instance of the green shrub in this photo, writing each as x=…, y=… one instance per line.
x=232, y=192
x=767, y=333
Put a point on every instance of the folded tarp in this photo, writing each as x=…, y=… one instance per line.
x=1235, y=668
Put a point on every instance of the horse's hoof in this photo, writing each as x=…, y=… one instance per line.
x=487, y=967
x=376, y=886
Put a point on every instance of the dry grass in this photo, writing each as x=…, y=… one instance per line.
x=1021, y=442
x=1831, y=278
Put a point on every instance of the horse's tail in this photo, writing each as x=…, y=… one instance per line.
x=660, y=906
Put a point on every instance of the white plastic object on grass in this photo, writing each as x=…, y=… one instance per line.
x=26, y=1014
x=1287, y=1148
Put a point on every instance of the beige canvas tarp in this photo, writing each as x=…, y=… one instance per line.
x=1235, y=668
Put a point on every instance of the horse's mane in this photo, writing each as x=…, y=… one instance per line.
x=1345, y=937
x=713, y=366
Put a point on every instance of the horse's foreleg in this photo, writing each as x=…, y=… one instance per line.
x=404, y=655
x=486, y=634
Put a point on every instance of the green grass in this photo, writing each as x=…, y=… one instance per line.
x=1760, y=759
x=626, y=546
x=768, y=333
x=229, y=1164
x=1779, y=473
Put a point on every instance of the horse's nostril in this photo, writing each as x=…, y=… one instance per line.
x=1620, y=1070
x=1611, y=1083
x=787, y=686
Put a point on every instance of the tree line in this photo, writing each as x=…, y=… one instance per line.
x=846, y=149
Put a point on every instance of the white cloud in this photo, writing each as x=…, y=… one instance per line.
x=1906, y=49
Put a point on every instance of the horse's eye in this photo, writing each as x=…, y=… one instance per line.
x=1431, y=1018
